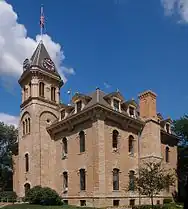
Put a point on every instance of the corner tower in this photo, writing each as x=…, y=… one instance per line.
x=40, y=84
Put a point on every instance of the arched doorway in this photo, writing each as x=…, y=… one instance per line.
x=27, y=188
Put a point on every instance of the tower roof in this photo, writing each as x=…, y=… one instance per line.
x=42, y=59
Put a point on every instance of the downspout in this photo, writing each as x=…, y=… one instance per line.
x=139, y=138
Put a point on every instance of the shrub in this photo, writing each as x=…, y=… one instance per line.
x=9, y=196
x=147, y=207
x=43, y=196
x=167, y=201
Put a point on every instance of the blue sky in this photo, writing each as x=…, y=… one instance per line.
x=128, y=44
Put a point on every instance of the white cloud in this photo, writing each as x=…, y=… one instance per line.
x=9, y=119
x=177, y=7
x=15, y=45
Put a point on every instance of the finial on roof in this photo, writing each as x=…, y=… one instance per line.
x=97, y=88
x=42, y=21
x=117, y=90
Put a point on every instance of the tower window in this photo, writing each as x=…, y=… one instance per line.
x=26, y=124
x=167, y=154
x=116, y=105
x=131, y=181
x=26, y=162
x=65, y=147
x=65, y=180
x=82, y=179
x=82, y=141
x=131, y=111
x=53, y=90
x=23, y=126
x=41, y=89
x=115, y=179
x=168, y=128
x=62, y=114
x=115, y=139
x=30, y=90
x=131, y=144
x=79, y=106
x=29, y=125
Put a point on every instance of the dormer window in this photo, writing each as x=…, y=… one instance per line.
x=62, y=114
x=131, y=111
x=168, y=128
x=78, y=106
x=116, y=105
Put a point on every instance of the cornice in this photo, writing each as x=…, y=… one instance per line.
x=96, y=112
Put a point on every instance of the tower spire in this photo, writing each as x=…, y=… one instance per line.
x=42, y=21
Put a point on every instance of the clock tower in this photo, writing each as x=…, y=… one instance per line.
x=40, y=84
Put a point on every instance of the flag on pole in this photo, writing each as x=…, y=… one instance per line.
x=42, y=21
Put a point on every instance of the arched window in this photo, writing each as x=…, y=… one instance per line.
x=29, y=125
x=82, y=141
x=26, y=126
x=167, y=154
x=23, y=126
x=115, y=135
x=65, y=147
x=131, y=144
x=65, y=180
x=27, y=188
x=26, y=162
x=82, y=179
x=115, y=179
x=53, y=93
x=41, y=89
x=131, y=180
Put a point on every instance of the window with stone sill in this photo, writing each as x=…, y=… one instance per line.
x=65, y=180
x=26, y=162
x=132, y=202
x=131, y=145
x=132, y=181
x=167, y=150
x=116, y=105
x=82, y=141
x=26, y=126
x=115, y=179
x=78, y=106
x=115, y=135
x=82, y=179
x=64, y=147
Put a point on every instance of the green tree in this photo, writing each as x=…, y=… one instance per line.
x=8, y=146
x=152, y=178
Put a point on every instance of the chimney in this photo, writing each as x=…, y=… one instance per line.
x=148, y=109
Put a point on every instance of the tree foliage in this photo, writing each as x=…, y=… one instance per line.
x=152, y=178
x=8, y=146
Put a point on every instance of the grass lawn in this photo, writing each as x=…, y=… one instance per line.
x=27, y=206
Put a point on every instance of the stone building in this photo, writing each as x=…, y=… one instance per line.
x=89, y=150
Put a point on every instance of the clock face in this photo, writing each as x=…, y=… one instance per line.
x=48, y=64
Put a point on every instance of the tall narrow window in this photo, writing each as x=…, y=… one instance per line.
x=65, y=147
x=26, y=162
x=115, y=135
x=53, y=93
x=168, y=128
x=41, y=89
x=115, y=179
x=131, y=111
x=167, y=154
x=82, y=141
x=131, y=181
x=62, y=114
x=116, y=105
x=26, y=126
x=82, y=179
x=65, y=180
x=131, y=144
x=79, y=106
x=27, y=188
x=29, y=125
x=23, y=126
x=30, y=90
